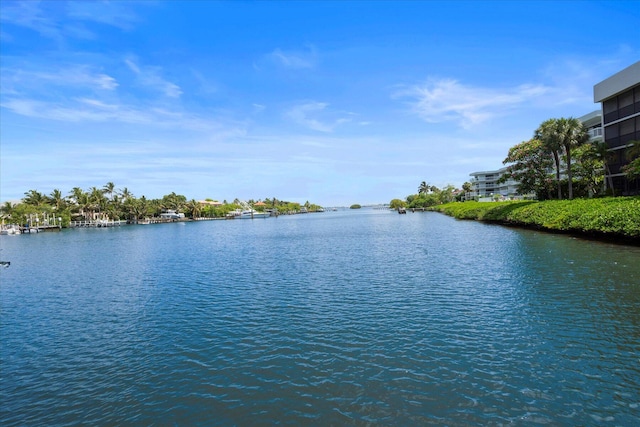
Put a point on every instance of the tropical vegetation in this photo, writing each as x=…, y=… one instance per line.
x=110, y=203
x=428, y=195
x=606, y=216
x=579, y=165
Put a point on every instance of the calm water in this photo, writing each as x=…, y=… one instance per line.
x=341, y=318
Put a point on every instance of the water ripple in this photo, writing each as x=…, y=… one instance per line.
x=364, y=318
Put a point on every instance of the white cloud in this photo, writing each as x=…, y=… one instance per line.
x=150, y=77
x=296, y=60
x=314, y=115
x=115, y=14
x=58, y=21
x=29, y=14
x=81, y=110
x=440, y=100
x=20, y=78
x=205, y=85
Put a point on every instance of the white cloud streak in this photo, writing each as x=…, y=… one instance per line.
x=297, y=59
x=449, y=100
x=59, y=21
x=314, y=115
x=20, y=79
x=87, y=110
x=150, y=77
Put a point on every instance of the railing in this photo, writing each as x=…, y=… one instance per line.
x=595, y=132
x=96, y=223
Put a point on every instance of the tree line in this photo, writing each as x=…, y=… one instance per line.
x=430, y=195
x=559, y=161
x=579, y=164
x=109, y=203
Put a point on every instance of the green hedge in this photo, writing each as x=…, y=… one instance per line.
x=610, y=216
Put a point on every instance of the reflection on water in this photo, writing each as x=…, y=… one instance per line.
x=335, y=318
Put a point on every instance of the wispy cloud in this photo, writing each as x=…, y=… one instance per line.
x=31, y=78
x=572, y=77
x=150, y=77
x=91, y=110
x=115, y=14
x=29, y=14
x=206, y=86
x=296, y=59
x=440, y=100
x=58, y=20
x=314, y=115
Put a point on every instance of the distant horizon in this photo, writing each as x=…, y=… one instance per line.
x=332, y=102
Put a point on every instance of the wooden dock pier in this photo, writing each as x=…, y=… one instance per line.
x=39, y=228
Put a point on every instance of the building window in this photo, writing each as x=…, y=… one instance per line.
x=625, y=104
x=610, y=109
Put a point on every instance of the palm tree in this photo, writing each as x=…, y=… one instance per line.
x=632, y=169
x=6, y=209
x=603, y=154
x=76, y=194
x=194, y=208
x=35, y=198
x=78, y=198
x=547, y=133
x=109, y=188
x=84, y=205
x=97, y=200
x=57, y=199
x=424, y=188
x=126, y=194
x=572, y=134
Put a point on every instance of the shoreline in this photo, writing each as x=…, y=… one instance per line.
x=612, y=220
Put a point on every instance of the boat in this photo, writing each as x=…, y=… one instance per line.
x=402, y=211
x=5, y=264
x=9, y=230
x=171, y=214
x=252, y=214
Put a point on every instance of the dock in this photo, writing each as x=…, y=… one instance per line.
x=97, y=223
x=38, y=228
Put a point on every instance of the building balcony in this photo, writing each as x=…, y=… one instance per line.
x=596, y=133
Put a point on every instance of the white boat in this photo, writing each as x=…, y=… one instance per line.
x=9, y=230
x=171, y=214
x=252, y=214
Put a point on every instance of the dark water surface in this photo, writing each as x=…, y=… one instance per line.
x=341, y=318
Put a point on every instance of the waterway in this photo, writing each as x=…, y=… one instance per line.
x=339, y=318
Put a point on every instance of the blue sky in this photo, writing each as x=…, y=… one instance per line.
x=331, y=102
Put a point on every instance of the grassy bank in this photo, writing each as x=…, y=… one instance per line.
x=607, y=217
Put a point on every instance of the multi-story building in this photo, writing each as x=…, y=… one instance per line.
x=485, y=184
x=593, y=123
x=619, y=96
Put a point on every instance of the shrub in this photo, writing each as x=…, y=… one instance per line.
x=608, y=216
